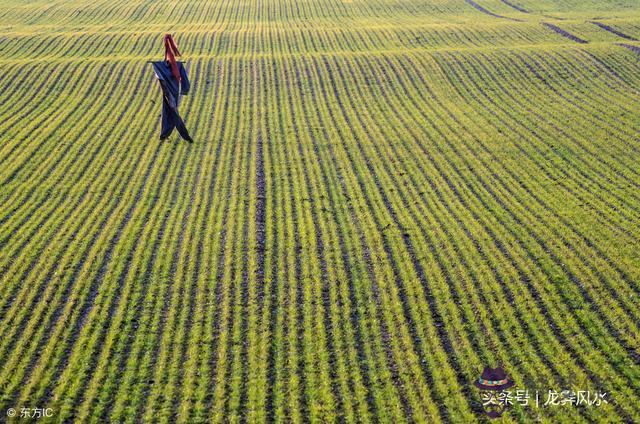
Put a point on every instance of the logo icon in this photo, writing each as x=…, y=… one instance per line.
x=491, y=381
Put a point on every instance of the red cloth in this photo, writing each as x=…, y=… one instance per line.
x=170, y=53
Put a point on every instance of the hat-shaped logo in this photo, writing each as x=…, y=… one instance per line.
x=493, y=380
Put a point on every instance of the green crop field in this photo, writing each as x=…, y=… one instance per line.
x=383, y=198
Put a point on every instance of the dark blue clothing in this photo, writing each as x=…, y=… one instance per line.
x=171, y=91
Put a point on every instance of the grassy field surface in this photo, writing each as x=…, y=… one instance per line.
x=383, y=198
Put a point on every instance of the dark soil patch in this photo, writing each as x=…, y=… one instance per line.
x=488, y=12
x=614, y=31
x=564, y=33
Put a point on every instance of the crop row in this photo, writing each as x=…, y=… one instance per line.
x=280, y=39
x=350, y=259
